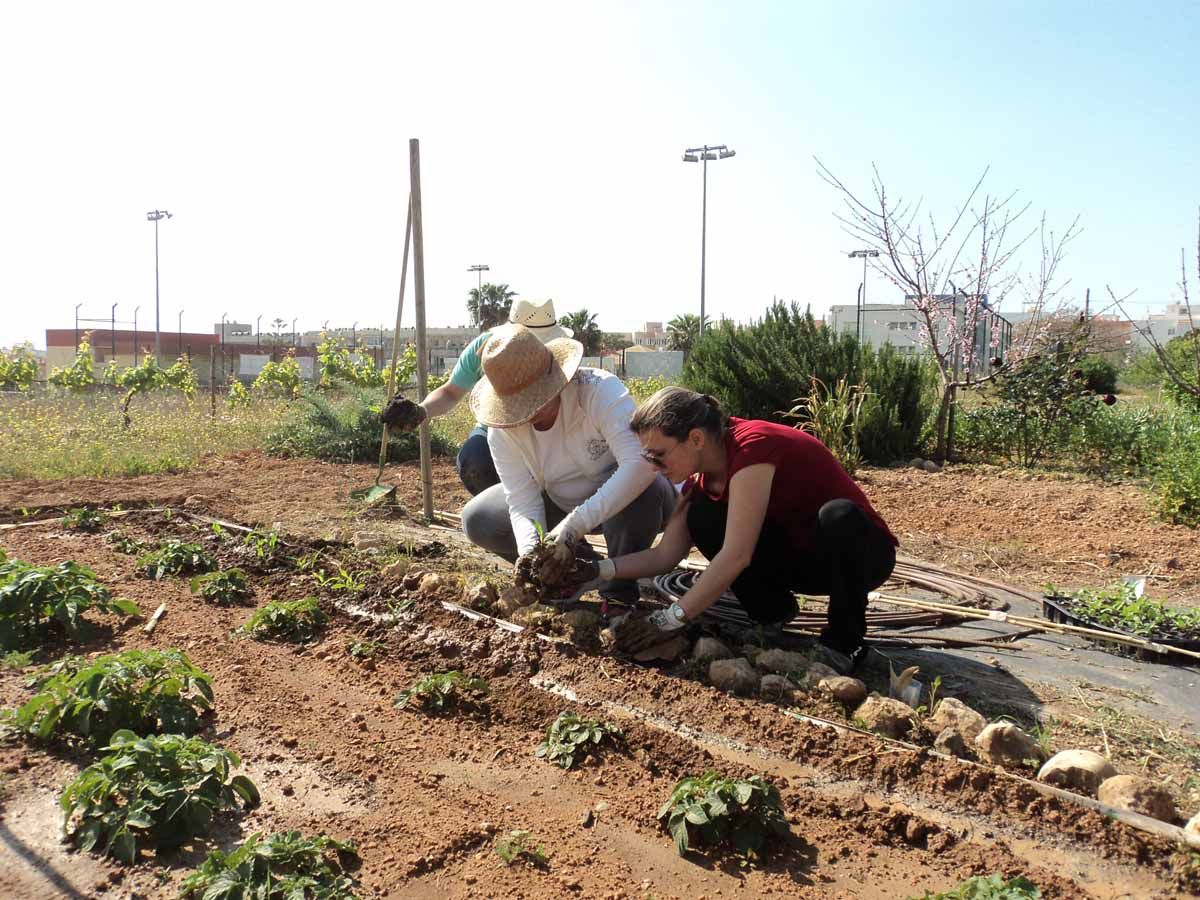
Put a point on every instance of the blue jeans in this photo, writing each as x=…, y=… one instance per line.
x=474, y=462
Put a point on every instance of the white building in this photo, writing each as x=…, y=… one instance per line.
x=652, y=335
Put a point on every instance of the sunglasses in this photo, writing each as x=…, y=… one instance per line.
x=658, y=458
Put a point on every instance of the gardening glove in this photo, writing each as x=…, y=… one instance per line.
x=402, y=414
x=644, y=632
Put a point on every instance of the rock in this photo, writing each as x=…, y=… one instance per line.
x=479, y=595
x=371, y=541
x=432, y=584
x=1138, y=794
x=951, y=742
x=777, y=687
x=952, y=713
x=1005, y=744
x=818, y=671
x=886, y=716
x=930, y=466
x=412, y=579
x=843, y=689
x=1078, y=770
x=781, y=661
x=1193, y=825
x=916, y=462
x=537, y=616
x=516, y=596
x=667, y=650
x=395, y=570
x=709, y=648
x=736, y=676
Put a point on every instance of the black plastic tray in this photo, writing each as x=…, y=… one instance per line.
x=1055, y=612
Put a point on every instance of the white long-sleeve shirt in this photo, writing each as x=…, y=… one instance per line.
x=589, y=462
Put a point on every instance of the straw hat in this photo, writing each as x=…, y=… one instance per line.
x=538, y=318
x=521, y=375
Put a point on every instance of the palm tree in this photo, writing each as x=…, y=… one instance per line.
x=685, y=331
x=587, y=332
x=489, y=305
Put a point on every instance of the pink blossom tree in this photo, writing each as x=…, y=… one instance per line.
x=956, y=276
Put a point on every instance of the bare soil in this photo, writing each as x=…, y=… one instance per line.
x=426, y=797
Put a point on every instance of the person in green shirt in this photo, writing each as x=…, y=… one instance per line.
x=474, y=462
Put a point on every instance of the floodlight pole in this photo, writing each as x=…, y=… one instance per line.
x=135, y=337
x=76, y=347
x=180, y=347
x=155, y=216
x=718, y=151
x=480, y=268
x=862, y=295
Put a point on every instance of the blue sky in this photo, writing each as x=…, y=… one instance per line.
x=551, y=137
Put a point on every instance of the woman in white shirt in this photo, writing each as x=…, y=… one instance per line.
x=560, y=439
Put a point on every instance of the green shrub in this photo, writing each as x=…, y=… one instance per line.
x=642, y=389
x=1099, y=375
x=989, y=887
x=760, y=370
x=569, y=735
x=223, y=588
x=280, y=379
x=238, y=397
x=437, y=693
x=1121, y=440
x=84, y=519
x=834, y=417
x=348, y=430
x=81, y=374
x=294, y=621
x=34, y=599
x=1177, y=476
x=712, y=809
x=283, y=866
x=175, y=558
x=18, y=368
x=145, y=691
x=153, y=791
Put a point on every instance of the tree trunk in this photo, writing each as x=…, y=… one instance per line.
x=943, y=420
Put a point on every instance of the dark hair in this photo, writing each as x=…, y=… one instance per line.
x=675, y=411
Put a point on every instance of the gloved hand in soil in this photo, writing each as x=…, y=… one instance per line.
x=549, y=563
x=402, y=414
x=640, y=633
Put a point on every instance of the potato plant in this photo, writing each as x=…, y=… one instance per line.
x=438, y=693
x=144, y=691
x=36, y=599
x=264, y=543
x=569, y=735
x=83, y=519
x=294, y=621
x=713, y=809
x=175, y=558
x=151, y=792
x=223, y=588
x=518, y=846
x=123, y=543
x=281, y=866
x=989, y=887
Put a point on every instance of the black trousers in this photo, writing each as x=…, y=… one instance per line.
x=851, y=555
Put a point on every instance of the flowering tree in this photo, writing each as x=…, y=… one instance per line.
x=1180, y=357
x=957, y=276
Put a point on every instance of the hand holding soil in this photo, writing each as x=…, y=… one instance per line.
x=402, y=414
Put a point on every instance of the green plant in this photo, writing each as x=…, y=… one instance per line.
x=1099, y=375
x=294, y=621
x=364, y=649
x=153, y=791
x=145, y=691
x=343, y=581
x=282, y=379
x=84, y=519
x=238, y=397
x=18, y=368
x=149, y=376
x=282, y=866
x=265, y=544
x=33, y=598
x=989, y=887
x=437, y=693
x=1121, y=606
x=175, y=558
x=713, y=809
x=518, y=846
x=642, y=389
x=1177, y=475
x=833, y=417
x=17, y=659
x=81, y=374
x=123, y=543
x=569, y=734
x=223, y=588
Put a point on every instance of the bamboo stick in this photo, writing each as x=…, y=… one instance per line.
x=418, y=240
x=392, y=387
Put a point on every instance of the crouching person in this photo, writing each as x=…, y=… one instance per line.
x=773, y=511
x=568, y=463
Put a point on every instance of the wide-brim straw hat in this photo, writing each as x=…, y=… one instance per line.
x=540, y=319
x=521, y=375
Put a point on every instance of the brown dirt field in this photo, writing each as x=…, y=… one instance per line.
x=425, y=798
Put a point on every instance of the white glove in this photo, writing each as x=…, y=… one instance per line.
x=564, y=535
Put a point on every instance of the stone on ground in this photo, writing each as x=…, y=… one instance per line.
x=1005, y=744
x=816, y=671
x=736, y=676
x=1138, y=794
x=1079, y=770
x=709, y=648
x=916, y=462
x=371, y=541
x=951, y=742
x=781, y=661
x=778, y=687
x=479, y=595
x=668, y=650
x=930, y=466
x=954, y=714
x=843, y=689
x=886, y=716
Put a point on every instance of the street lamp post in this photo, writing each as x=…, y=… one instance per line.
x=113, y=329
x=480, y=268
x=704, y=154
x=223, y=315
x=77, y=305
x=258, y=339
x=862, y=294
x=179, y=349
x=293, y=332
x=154, y=216
x=135, y=337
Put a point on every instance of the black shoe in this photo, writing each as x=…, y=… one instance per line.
x=844, y=662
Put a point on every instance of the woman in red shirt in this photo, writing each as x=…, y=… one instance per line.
x=773, y=511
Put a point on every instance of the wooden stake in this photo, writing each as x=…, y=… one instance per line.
x=392, y=387
x=418, y=240
x=158, y=614
x=212, y=382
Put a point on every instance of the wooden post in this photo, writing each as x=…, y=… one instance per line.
x=418, y=240
x=212, y=382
